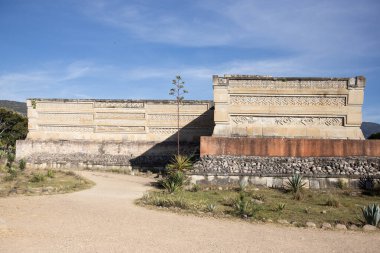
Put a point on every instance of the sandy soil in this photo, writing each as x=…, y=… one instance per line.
x=104, y=219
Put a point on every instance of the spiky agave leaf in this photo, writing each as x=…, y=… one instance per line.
x=371, y=214
x=180, y=162
x=295, y=183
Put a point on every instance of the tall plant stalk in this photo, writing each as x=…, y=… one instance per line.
x=177, y=92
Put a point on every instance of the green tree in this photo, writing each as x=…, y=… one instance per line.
x=13, y=126
x=178, y=92
x=374, y=136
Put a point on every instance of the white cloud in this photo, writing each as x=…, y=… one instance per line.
x=323, y=28
x=51, y=79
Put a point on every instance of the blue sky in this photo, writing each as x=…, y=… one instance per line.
x=133, y=49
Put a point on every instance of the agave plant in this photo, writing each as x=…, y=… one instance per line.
x=243, y=206
x=371, y=214
x=295, y=183
x=180, y=163
x=174, y=181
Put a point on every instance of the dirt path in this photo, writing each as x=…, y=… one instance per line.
x=104, y=219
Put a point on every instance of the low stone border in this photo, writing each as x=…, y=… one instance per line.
x=273, y=181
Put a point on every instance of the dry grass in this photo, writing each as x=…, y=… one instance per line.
x=37, y=182
x=333, y=205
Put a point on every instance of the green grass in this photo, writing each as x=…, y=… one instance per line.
x=333, y=205
x=37, y=182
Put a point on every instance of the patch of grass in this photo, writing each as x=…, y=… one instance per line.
x=37, y=177
x=278, y=204
x=35, y=182
x=50, y=173
x=332, y=201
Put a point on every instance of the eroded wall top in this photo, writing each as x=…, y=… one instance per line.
x=264, y=106
x=117, y=120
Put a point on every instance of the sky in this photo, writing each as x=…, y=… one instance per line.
x=117, y=49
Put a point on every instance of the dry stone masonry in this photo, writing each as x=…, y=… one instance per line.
x=89, y=133
x=290, y=107
x=258, y=128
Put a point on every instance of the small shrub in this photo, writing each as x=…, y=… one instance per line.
x=331, y=201
x=243, y=207
x=281, y=207
x=37, y=177
x=180, y=163
x=22, y=164
x=174, y=181
x=242, y=185
x=195, y=188
x=341, y=184
x=295, y=186
x=371, y=214
x=367, y=183
x=10, y=159
x=211, y=208
x=11, y=174
x=260, y=197
x=50, y=173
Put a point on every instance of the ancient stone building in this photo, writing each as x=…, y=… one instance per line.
x=89, y=133
x=258, y=106
x=258, y=128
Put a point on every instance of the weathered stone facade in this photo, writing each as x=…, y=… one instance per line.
x=105, y=134
x=315, y=123
x=291, y=107
x=117, y=120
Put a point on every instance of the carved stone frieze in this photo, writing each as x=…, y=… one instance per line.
x=114, y=115
x=291, y=84
x=51, y=128
x=76, y=118
x=288, y=121
x=120, y=128
x=289, y=100
x=119, y=104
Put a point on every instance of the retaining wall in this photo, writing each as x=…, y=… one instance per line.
x=285, y=147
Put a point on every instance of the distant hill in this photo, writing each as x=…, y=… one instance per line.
x=19, y=107
x=369, y=128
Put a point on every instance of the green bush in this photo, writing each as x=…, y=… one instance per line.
x=22, y=164
x=371, y=214
x=14, y=127
x=50, y=173
x=374, y=136
x=174, y=181
x=37, y=177
x=11, y=174
x=10, y=159
x=281, y=207
x=180, y=163
x=244, y=207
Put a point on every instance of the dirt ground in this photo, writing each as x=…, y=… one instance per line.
x=105, y=219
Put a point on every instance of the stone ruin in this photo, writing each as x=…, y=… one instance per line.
x=258, y=128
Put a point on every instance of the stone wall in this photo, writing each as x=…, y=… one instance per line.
x=117, y=120
x=285, y=166
x=100, y=155
x=318, y=172
x=288, y=147
x=111, y=133
x=260, y=106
